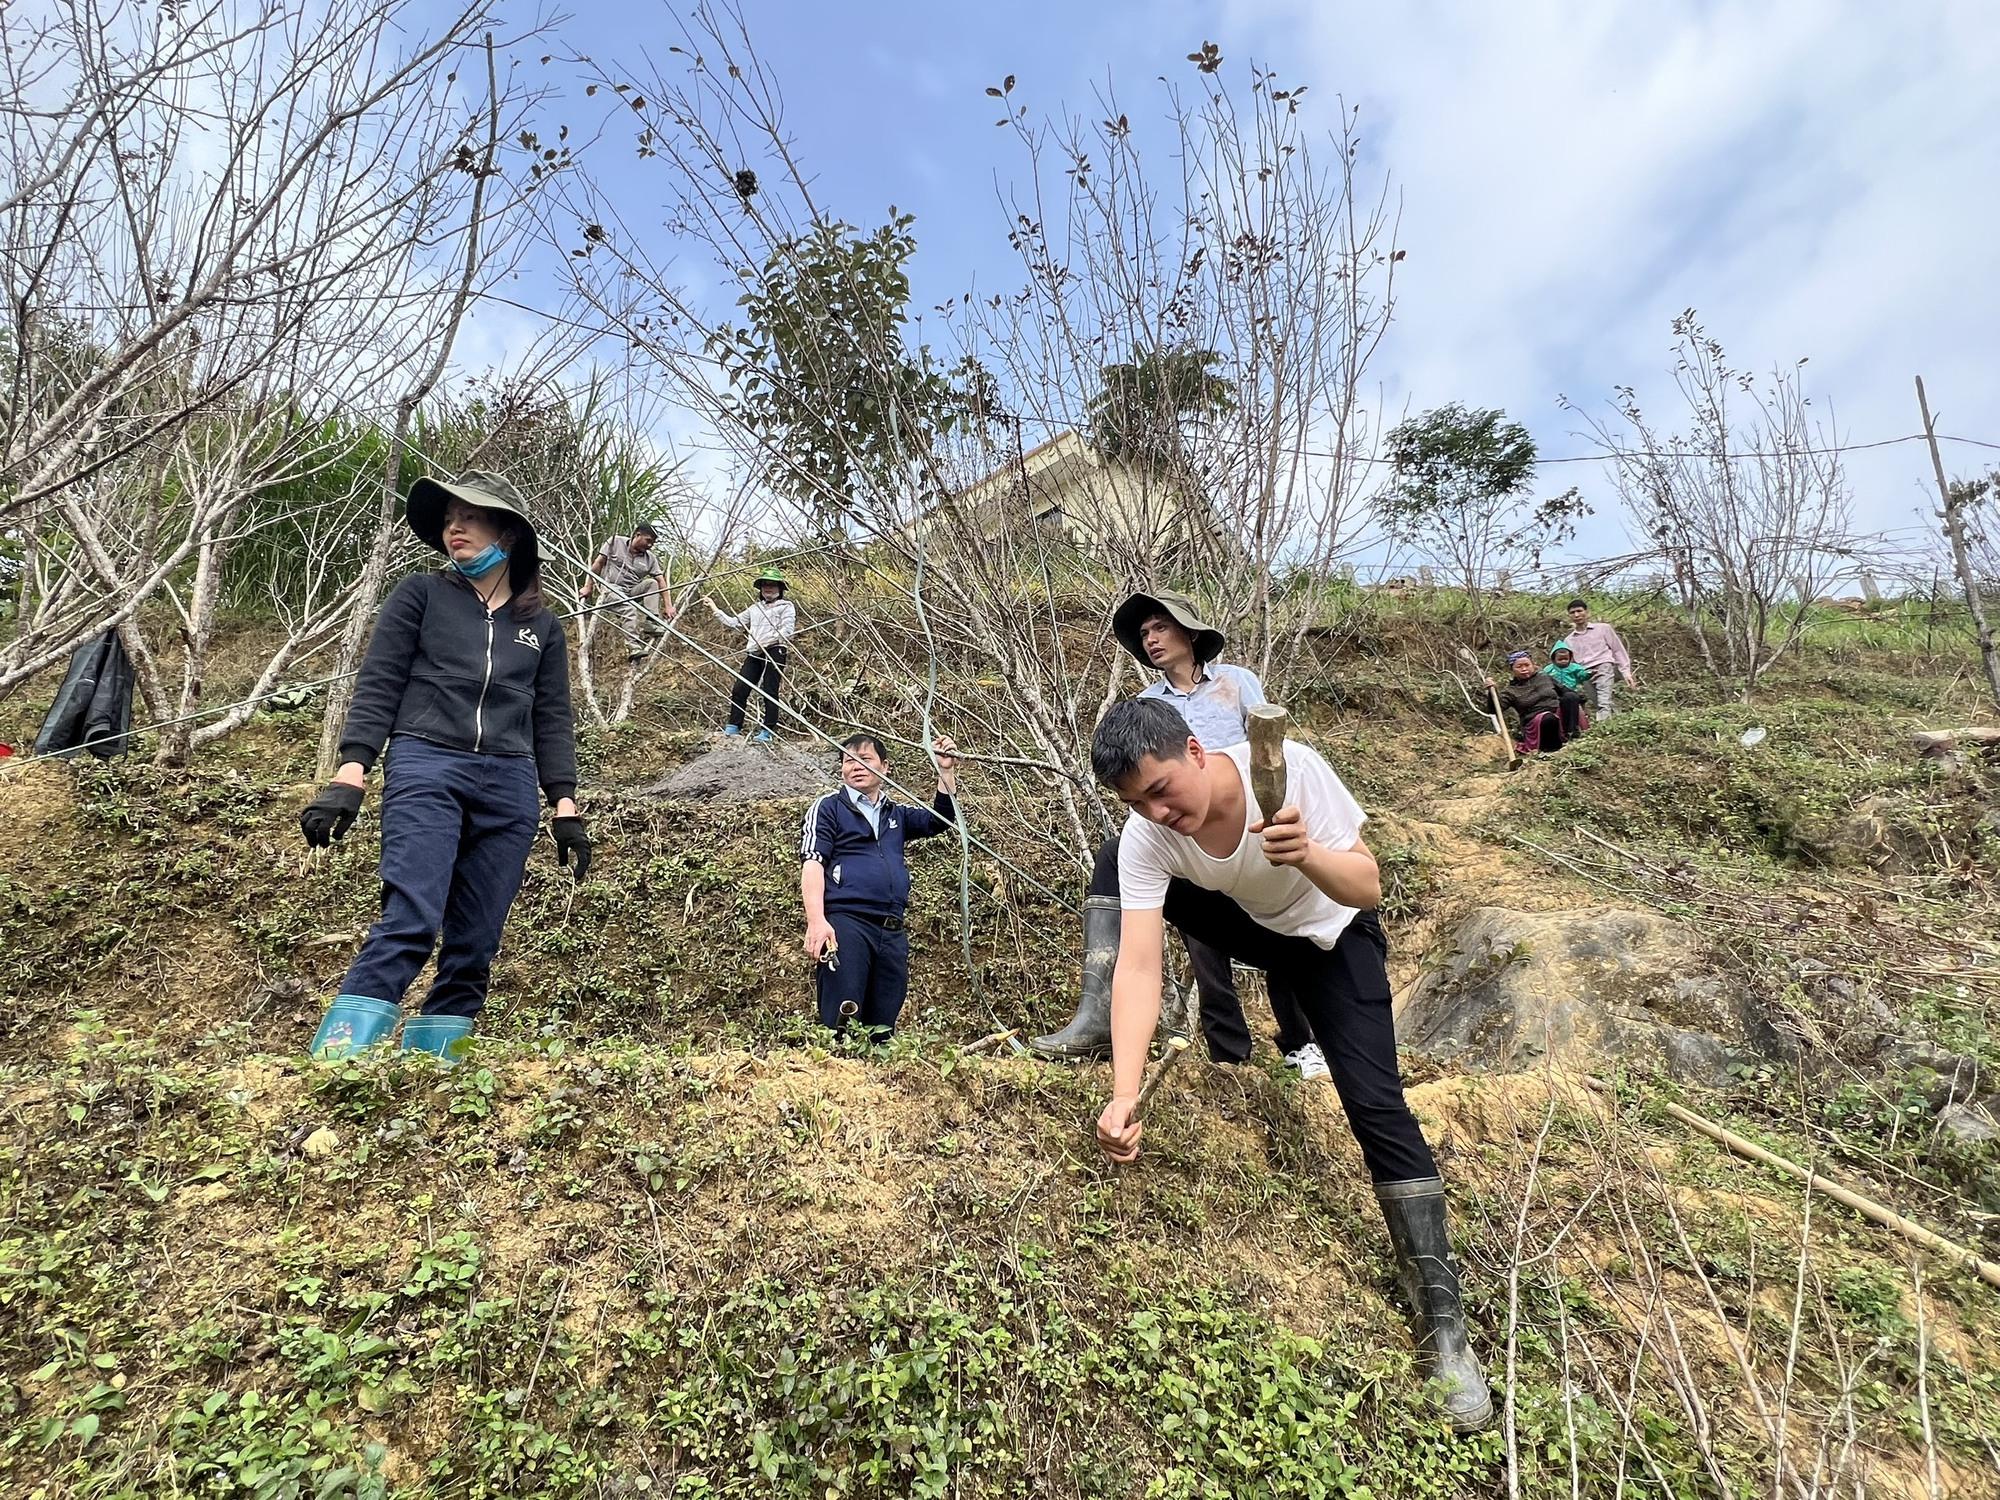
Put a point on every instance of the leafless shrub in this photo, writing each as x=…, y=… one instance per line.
x=222, y=229
x=1748, y=508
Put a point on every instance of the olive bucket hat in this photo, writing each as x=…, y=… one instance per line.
x=1137, y=610
x=429, y=497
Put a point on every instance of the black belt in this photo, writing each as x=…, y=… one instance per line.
x=887, y=924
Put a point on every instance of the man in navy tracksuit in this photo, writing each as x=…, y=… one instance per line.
x=855, y=884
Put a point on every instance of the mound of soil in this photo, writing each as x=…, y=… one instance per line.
x=740, y=772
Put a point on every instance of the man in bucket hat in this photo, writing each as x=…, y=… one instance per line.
x=1164, y=631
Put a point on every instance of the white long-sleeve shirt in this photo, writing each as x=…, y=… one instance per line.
x=768, y=625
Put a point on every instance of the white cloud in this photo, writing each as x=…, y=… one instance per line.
x=1817, y=179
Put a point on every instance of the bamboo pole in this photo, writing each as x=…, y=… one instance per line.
x=1868, y=1208
x=1499, y=717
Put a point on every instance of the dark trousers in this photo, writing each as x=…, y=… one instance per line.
x=456, y=831
x=761, y=671
x=1542, y=732
x=871, y=971
x=1571, y=712
x=1223, y=1025
x=1344, y=993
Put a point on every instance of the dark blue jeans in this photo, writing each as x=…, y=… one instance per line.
x=456, y=831
x=873, y=971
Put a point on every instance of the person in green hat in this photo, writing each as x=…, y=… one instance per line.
x=467, y=681
x=1164, y=632
x=769, y=624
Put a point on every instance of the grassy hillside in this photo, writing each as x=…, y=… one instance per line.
x=655, y=1237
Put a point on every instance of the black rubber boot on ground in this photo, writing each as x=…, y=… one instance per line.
x=1089, y=1032
x=1428, y=1271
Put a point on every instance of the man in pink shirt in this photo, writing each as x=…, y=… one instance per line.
x=1598, y=648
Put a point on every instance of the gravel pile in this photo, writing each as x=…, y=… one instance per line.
x=739, y=772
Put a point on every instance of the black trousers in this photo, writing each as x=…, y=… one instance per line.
x=761, y=670
x=1223, y=1025
x=1571, y=713
x=1343, y=993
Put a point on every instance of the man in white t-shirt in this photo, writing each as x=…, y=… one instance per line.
x=1162, y=630
x=1292, y=892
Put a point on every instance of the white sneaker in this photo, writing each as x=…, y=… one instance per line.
x=1311, y=1063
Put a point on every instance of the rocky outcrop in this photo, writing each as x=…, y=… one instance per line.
x=1883, y=833
x=1587, y=988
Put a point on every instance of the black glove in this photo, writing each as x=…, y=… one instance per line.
x=572, y=838
x=330, y=814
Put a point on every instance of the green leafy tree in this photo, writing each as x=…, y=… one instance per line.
x=1461, y=493
x=1142, y=412
x=822, y=373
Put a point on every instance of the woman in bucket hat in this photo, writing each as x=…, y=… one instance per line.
x=769, y=625
x=467, y=680
x=1165, y=633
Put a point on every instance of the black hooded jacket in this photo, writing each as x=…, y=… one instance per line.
x=1529, y=696
x=441, y=668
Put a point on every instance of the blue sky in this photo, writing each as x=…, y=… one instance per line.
x=1818, y=178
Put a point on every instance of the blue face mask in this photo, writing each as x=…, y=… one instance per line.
x=484, y=563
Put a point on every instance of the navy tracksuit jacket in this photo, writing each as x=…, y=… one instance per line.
x=475, y=708
x=867, y=888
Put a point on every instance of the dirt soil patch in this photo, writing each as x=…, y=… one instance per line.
x=739, y=772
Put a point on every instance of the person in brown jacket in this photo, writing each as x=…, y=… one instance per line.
x=1543, y=721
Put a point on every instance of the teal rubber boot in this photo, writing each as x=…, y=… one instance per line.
x=441, y=1036
x=352, y=1024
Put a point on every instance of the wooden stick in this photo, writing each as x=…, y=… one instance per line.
x=1493, y=693
x=1268, y=724
x=1176, y=1045
x=1953, y=516
x=1868, y=1208
x=988, y=1043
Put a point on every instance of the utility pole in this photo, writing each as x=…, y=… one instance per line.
x=1953, y=516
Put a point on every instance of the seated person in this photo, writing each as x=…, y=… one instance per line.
x=1571, y=677
x=1536, y=703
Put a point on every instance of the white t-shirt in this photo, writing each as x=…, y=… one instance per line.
x=1276, y=896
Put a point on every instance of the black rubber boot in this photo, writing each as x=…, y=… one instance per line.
x=1089, y=1032
x=1428, y=1271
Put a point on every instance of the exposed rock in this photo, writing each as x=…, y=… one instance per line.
x=1945, y=1077
x=1948, y=747
x=1968, y=1124
x=1873, y=832
x=1588, y=987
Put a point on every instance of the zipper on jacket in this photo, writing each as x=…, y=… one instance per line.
x=479, y=708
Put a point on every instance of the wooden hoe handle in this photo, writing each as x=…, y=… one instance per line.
x=1268, y=724
x=1176, y=1045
